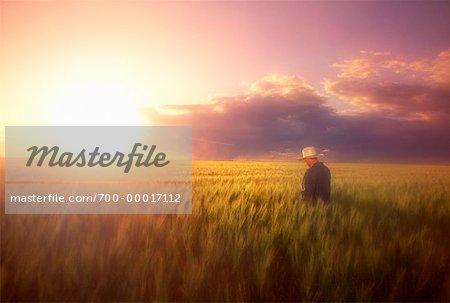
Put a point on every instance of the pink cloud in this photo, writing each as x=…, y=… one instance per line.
x=385, y=65
x=417, y=89
x=396, y=120
x=395, y=100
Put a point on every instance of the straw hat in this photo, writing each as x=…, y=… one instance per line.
x=309, y=152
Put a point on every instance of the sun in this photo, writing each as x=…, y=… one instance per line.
x=94, y=103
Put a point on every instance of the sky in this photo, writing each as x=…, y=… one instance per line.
x=362, y=80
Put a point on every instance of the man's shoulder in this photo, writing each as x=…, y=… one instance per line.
x=320, y=166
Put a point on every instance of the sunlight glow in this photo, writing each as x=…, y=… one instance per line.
x=94, y=103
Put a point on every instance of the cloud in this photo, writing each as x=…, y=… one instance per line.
x=395, y=87
x=272, y=115
x=384, y=65
x=395, y=119
x=437, y=69
x=395, y=100
x=362, y=67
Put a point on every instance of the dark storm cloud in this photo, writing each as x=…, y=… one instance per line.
x=278, y=115
x=395, y=99
x=273, y=115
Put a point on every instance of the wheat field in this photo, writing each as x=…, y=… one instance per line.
x=384, y=237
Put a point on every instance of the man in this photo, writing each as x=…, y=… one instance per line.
x=317, y=178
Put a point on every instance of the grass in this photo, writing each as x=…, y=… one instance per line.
x=383, y=238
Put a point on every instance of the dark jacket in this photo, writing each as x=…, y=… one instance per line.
x=316, y=183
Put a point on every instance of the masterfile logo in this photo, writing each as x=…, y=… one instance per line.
x=73, y=153
x=98, y=169
x=94, y=158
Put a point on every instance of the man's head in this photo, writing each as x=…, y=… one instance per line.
x=309, y=154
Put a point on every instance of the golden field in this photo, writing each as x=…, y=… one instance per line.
x=385, y=237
